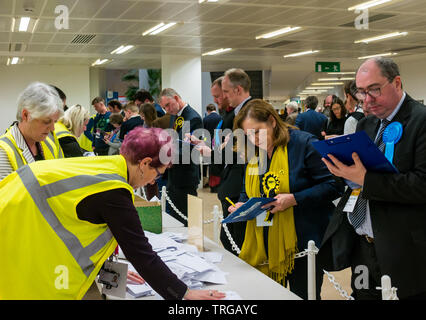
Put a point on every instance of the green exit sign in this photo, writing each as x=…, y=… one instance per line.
x=327, y=67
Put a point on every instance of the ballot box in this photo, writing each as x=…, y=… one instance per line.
x=149, y=214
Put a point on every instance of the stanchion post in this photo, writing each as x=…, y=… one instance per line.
x=216, y=224
x=311, y=271
x=386, y=288
x=163, y=199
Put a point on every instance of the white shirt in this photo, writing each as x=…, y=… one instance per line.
x=181, y=110
x=238, y=108
x=366, y=227
x=5, y=165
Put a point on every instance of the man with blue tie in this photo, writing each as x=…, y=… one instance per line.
x=384, y=231
x=311, y=121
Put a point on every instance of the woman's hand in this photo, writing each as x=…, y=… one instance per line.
x=232, y=209
x=204, y=295
x=282, y=202
x=133, y=277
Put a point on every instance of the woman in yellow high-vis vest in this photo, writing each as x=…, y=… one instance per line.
x=32, y=137
x=69, y=128
x=61, y=219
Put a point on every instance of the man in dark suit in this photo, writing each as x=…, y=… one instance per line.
x=311, y=121
x=236, y=86
x=384, y=233
x=184, y=176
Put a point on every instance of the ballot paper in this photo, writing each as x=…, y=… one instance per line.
x=194, y=268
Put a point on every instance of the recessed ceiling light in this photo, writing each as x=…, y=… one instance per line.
x=336, y=79
x=378, y=55
x=368, y=4
x=122, y=49
x=327, y=84
x=318, y=88
x=382, y=37
x=218, y=51
x=99, y=62
x=202, y=1
x=159, y=28
x=277, y=32
x=23, y=25
x=301, y=53
x=14, y=60
x=341, y=73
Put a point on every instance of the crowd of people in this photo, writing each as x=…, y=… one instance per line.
x=118, y=149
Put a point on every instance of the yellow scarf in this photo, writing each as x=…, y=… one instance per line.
x=282, y=240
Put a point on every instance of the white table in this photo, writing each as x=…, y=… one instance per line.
x=245, y=280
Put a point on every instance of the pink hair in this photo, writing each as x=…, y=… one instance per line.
x=142, y=143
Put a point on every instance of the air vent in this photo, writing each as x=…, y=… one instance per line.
x=83, y=38
x=371, y=19
x=17, y=47
x=279, y=44
x=409, y=48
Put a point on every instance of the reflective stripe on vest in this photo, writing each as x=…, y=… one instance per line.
x=18, y=158
x=46, y=142
x=40, y=195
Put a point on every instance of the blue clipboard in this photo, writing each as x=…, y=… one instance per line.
x=342, y=148
x=249, y=210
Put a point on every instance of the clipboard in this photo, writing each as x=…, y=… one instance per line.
x=249, y=210
x=342, y=148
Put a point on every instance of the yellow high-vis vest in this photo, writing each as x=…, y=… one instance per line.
x=48, y=252
x=62, y=131
x=51, y=149
x=84, y=142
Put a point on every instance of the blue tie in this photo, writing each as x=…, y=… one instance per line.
x=357, y=217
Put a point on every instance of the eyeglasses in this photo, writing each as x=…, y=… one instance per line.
x=373, y=93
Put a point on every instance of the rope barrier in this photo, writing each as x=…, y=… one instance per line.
x=388, y=292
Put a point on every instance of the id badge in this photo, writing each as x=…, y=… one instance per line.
x=350, y=204
x=261, y=220
x=113, y=276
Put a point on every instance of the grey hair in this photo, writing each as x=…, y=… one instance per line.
x=293, y=105
x=74, y=118
x=40, y=100
x=169, y=92
x=238, y=77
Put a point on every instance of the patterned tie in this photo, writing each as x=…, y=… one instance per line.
x=357, y=217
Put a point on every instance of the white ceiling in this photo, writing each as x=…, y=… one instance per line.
x=209, y=26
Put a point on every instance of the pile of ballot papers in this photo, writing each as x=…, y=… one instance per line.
x=192, y=267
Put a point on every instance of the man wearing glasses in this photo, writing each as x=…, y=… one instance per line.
x=384, y=233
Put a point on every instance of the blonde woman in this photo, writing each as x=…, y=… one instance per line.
x=69, y=128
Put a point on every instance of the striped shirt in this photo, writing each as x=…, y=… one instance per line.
x=5, y=166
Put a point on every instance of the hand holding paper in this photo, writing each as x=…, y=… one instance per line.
x=282, y=202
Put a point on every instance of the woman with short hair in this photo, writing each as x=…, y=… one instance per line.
x=72, y=214
x=31, y=137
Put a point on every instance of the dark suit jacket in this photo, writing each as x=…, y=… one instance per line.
x=397, y=206
x=129, y=125
x=232, y=175
x=313, y=186
x=210, y=123
x=311, y=121
x=185, y=175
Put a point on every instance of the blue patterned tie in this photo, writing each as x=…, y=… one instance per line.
x=357, y=217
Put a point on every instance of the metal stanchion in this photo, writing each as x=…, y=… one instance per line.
x=216, y=223
x=311, y=271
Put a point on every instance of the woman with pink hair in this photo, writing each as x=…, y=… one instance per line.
x=90, y=210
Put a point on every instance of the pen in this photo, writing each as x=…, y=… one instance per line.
x=229, y=200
